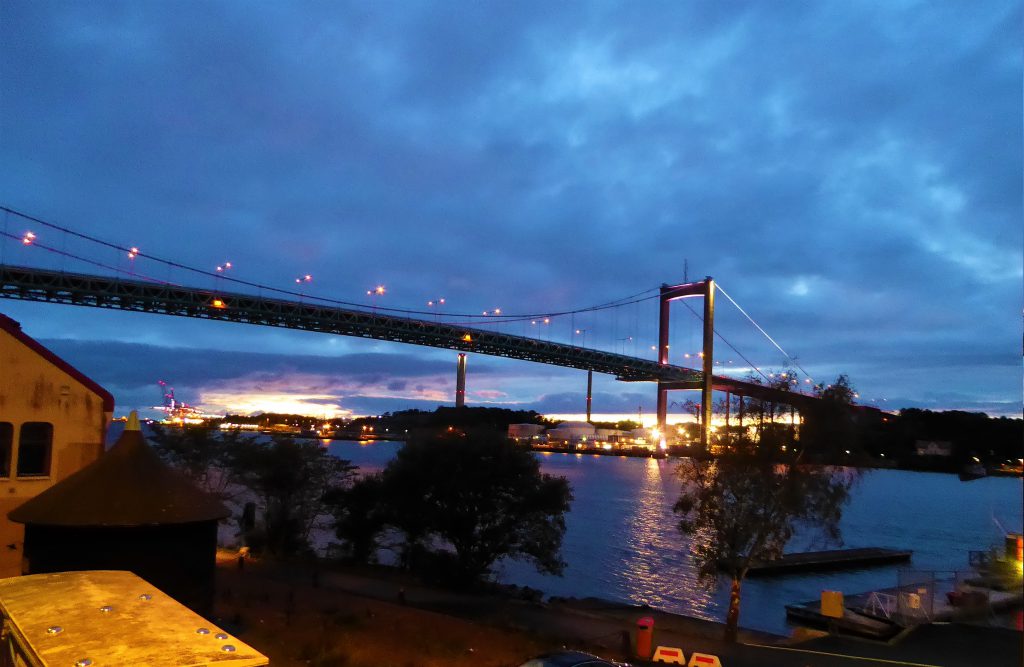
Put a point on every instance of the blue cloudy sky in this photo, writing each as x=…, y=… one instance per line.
x=850, y=172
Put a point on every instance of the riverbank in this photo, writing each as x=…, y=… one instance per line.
x=320, y=614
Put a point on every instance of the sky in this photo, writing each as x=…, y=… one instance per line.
x=851, y=174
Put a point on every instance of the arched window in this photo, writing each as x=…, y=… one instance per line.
x=34, y=448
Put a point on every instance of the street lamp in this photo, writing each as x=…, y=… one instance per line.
x=375, y=292
x=133, y=252
x=436, y=304
x=301, y=281
x=221, y=270
x=584, y=334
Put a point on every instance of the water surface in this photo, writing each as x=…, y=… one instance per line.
x=621, y=541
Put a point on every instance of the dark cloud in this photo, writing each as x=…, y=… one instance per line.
x=134, y=365
x=850, y=174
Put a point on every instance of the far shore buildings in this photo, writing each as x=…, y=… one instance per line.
x=581, y=435
x=53, y=422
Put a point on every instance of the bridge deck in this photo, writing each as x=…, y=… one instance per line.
x=30, y=284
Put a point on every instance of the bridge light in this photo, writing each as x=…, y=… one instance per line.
x=28, y=238
x=217, y=303
x=467, y=338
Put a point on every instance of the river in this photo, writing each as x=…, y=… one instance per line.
x=621, y=542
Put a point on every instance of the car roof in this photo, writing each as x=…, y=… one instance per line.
x=568, y=658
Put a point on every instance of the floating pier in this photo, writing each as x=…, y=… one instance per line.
x=885, y=612
x=837, y=559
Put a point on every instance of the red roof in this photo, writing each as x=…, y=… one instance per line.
x=14, y=328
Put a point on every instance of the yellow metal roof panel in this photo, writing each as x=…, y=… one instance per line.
x=113, y=618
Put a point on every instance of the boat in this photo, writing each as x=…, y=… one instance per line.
x=972, y=471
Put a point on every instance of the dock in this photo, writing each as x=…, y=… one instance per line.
x=883, y=613
x=836, y=559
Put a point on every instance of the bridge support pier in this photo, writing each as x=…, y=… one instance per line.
x=460, y=381
x=590, y=392
x=728, y=406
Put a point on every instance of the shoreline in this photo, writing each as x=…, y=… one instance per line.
x=264, y=602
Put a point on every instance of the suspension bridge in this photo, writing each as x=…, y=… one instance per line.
x=128, y=290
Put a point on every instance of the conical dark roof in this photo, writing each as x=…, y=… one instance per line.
x=127, y=486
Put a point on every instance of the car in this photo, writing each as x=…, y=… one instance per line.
x=570, y=659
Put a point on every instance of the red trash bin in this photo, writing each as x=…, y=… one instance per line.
x=644, y=637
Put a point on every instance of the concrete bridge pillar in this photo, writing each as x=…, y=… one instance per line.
x=460, y=381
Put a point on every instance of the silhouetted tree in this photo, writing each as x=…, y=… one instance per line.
x=480, y=495
x=202, y=454
x=359, y=516
x=292, y=479
x=745, y=505
x=830, y=424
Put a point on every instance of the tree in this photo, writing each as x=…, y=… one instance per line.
x=481, y=496
x=745, y=506
x=292, y=479
x=202, y=454
x=359, y=516
x=829, y=425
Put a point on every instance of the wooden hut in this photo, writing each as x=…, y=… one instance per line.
x=127, y=511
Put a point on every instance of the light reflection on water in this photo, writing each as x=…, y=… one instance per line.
x=622, y=543
x=651, y=554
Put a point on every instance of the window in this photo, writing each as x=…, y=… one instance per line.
x=34, y=448
x=6, y=440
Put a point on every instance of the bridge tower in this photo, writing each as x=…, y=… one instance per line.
x=669, y=293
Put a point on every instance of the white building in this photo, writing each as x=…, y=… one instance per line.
x=524, y=432
x=571, y=434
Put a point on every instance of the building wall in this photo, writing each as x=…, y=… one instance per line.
x=35, y=389
x=179, y=559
